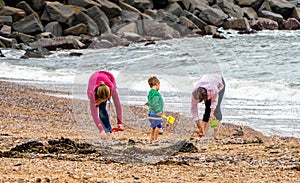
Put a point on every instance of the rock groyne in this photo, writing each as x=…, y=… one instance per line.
x=79, y=24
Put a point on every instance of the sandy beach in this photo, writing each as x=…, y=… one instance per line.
x=40, y=141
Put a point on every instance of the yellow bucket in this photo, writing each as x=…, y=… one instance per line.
x=169, y=119
x=213, y=123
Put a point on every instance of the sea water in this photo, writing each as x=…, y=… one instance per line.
x=261, y=72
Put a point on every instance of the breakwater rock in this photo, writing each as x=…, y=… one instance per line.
x=79, y=24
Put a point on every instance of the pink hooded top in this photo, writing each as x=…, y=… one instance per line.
x=213, y=84
x=94, y=82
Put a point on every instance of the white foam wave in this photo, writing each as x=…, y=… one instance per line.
x=10, y=71
x=257, y=90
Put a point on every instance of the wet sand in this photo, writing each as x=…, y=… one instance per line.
x=40, y=141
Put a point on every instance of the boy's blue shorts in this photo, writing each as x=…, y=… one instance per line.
x=155, y=120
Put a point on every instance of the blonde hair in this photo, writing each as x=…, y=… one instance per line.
x=153, y=81
x=103, y=91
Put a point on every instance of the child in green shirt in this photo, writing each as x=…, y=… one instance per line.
x=156, y=105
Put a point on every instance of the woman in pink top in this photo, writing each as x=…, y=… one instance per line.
x=210, y=89
x=101, y=87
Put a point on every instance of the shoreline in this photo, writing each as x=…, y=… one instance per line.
x=64, y=91
x=60, y=153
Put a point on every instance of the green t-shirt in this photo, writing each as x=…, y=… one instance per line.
x=155, y=101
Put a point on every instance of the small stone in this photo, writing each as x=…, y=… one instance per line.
x=131, y=142
x=47, y=179
x=18, y=164
x=136, y=178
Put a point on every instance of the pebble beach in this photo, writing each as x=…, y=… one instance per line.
x=40, y=142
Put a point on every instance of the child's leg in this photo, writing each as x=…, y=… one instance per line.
x=156, y=131
x=152, y=135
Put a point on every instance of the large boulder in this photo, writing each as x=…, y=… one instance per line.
x=196, y=20
x=99, y=18
x=270, y=15
x=92, y=27
x=141, y=5
x=174, y=9
x=5, y=30
x=291, y=24
x=6, y=20
x=110, y=9
x=164, y=16
x=58, y=43
x=28, y=10
x=76, y=30
x=263, y=24
x=237, y=24
x=212, y=16
x=124, y=6
x=282, y=7
x=21, y=37
x=191, y=5
x=129, y=16
x=37, y=5
x=249, y=13
x=55, y=28
x=172, y=20
x=133, y=37
x=296, y=13
x=84, y=3
x=108, y=40
x=29, y=25
x=255, y=4
x=211, y=30
x=128, y=27
x=16, y=13
x=184, y=21
x=232, y=10
x=60, y=12
x=160, y=30
x=98, y=44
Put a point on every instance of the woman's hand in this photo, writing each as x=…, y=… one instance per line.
x=121, y=126
x=103, y=135
x=212, y=115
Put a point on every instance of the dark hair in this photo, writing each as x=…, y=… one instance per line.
x=200, y=94
x=153, y=81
